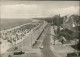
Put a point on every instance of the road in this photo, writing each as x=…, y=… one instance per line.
x=46, y=51
x=44, y=40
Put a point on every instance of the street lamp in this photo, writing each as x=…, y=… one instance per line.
x=75, y=35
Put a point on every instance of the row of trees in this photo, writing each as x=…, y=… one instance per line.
x=59, y=21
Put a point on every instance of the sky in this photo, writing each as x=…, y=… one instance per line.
x=38, y=9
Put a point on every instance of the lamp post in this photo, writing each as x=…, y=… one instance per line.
x=75, y=36
x=31, y=39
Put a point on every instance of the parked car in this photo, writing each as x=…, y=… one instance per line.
x=41, y=47
x=18, y=52
x=71, y=55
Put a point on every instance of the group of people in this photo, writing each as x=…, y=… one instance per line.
x=17, y=33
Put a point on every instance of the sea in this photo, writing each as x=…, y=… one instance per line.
x=10, y=23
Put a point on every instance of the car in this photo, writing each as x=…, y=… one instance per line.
x=52, y=43
x=41, y=47
x=18, y=52
x=71, y=55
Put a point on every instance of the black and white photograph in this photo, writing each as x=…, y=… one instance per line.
x=39, y=28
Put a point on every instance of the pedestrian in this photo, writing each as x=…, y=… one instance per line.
x=62, y=41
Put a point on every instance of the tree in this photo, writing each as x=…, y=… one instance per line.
x=66, y=33
x=76, y=18
x=57, y=20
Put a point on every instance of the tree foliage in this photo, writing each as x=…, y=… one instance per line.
x=66, y=33
x=76, y=18
x=57, y=20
